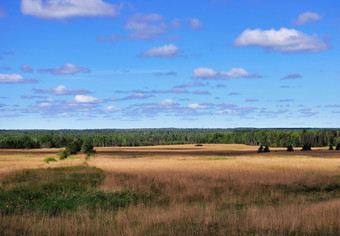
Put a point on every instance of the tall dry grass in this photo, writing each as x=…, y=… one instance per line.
x=242, y=194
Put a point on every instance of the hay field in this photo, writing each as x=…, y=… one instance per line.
x=209, y=190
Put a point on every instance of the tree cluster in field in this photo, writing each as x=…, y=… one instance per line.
x=75, y=147
x=28, y=139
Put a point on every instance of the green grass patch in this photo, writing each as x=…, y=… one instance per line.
x=53, y=191
x=25, y=156
x=219, y=158
x=48, y=159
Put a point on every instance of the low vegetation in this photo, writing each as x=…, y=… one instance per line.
x=173, y=190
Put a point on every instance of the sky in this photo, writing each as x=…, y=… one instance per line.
x=90, y=64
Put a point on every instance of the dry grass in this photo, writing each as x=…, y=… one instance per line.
x=208, y=190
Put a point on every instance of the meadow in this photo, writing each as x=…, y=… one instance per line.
x=214, y=189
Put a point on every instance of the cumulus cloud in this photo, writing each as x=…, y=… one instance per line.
x=66, y=69
x=208, y=73
x=166, y=51
x=26, y=68
x=292, y=76
x=112, y=109
x=86, y=99
x=141, y=27
x=307, y=17
x=146, y=26
x=15, y=78
x=282, y=40
x=61, y=90
x=196, y=24
x=197, y=106
x=65, y=9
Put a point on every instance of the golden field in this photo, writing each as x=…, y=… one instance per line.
x=215, y=189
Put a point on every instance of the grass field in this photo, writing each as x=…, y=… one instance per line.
x=171, y=190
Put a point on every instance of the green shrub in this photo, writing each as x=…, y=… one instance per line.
x=48, y=159
x=260, y=149
x=266, y=149
x=53, y=191
x=290, y=148
x=62, y=154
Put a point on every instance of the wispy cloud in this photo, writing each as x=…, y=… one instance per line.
x=141, y=27
x=282, y=40
x=61, y=9
x=196, y=24
x=166, y=51
x=208, y=73
x=61, y=90
x=251, y=100
x=68, y=68
x=292, y=76
x=200, y=92
x=26, y=68
x=3, y=13
x=15, y=79
x=307, y=17
x=308, y=112
x=170, y=73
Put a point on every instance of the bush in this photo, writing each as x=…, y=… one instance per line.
x=306, y=147
x=199, y=145
x=331, y=147
x=48, y=159
x=260, y=149
x=73, y=147
x=266, y=149
x=290, y=148
x=62, y=154
x=87, y=148
x=337, y=147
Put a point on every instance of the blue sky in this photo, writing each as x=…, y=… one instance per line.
x=149, y=64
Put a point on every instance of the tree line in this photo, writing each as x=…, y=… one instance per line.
x=28, y=139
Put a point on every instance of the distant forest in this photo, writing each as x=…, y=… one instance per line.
x=28, y=139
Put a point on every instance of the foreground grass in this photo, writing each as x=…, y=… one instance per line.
x=205, y=195
x=54, y=191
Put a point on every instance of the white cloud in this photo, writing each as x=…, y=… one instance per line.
x=207, y=73
x=196, y=106
x=66, y=69
x=145, y=26
x=167, y=102
x=196, y=24
x=15, y=78
x=64, y=9
x=282, y=40
x=166, y=51
x=61, y=90
x=85, y=99
x=112, y=108
x=307, y=17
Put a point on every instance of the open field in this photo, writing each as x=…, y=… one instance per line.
x=186, y=190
